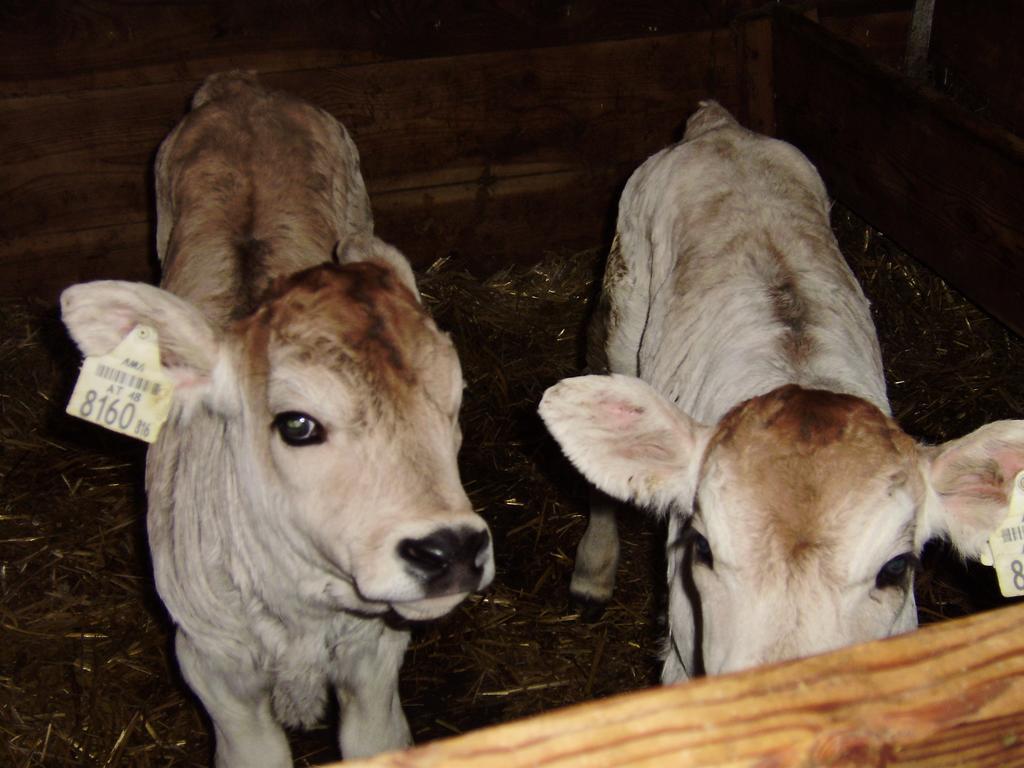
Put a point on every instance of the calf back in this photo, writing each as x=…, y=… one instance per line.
x=250, y=186
x=726, y=282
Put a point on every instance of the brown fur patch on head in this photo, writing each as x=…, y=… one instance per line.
x=800, y=454
x=357, y=318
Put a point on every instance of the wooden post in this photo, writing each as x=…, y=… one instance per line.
x=918, y=40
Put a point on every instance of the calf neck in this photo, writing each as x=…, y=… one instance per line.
x=747, y=403
x=304, y=497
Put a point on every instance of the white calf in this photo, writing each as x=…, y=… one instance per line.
x=759, y=422
x=305, y=492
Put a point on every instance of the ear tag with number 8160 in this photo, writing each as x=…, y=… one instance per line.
x=1006, y=545
x=126, y=390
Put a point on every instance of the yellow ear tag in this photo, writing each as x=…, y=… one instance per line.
x=125, y=390
x=1006, y=545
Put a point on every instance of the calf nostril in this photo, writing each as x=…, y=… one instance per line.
x=431, y=556
x=450, y=558
x=478, y=546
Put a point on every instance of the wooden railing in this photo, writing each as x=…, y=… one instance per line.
x=950, y=694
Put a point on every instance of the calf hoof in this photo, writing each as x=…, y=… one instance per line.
x=590, y=610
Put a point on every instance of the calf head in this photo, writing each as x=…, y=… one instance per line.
x=795, y=522
x=338, y=398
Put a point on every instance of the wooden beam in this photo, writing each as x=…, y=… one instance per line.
x=939, y=181
x=56, y=46
x=502, y=154
x=949, y=694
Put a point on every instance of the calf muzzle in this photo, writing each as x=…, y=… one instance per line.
x=449, y=561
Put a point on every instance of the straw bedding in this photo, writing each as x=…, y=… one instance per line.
x=86, y=674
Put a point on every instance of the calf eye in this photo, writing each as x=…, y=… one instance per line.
x=894, y=572
x=702, y=550
x=298, y=428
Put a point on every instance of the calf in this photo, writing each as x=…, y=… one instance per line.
x=747, y=403
x=304, y=497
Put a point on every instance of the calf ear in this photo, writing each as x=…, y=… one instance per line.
x=626, y=438
x=970, y=483
x=100, y=314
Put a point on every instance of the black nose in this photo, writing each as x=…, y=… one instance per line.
x=449, y=560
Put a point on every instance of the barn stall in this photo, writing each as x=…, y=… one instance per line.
x=495, y=138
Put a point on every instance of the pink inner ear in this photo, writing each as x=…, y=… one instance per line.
x=988, y=477
x=1010, y=461
x=124, y=321
x=975, y=488
x=620, y=414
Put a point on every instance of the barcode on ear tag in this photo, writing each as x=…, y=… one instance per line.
x=126, y=390
x=1006, y=545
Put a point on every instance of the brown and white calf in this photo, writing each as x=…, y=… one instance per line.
x=747, y=403
x=305, y=491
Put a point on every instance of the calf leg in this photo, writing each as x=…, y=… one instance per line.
x=613, y=339
x=597, y=558
x=238, y=702
x=366, y=679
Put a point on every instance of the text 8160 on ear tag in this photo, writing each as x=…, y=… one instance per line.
x=126, y=390
x=1006, y=545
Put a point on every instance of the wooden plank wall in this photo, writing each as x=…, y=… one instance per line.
x=513, y=166
x=938, y=180
x=949, y=694
x=499, y=132
x=494, y=130
x=977, y=57
x=877, y=27
x=56, y=46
